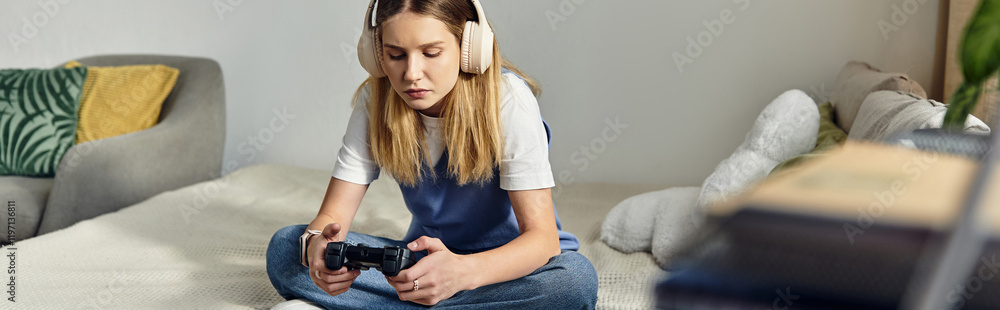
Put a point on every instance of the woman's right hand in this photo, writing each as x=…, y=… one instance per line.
x=333, y=282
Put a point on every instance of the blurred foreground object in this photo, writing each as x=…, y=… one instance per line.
x=856, y=229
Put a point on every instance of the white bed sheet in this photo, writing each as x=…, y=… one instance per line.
x=203, y=246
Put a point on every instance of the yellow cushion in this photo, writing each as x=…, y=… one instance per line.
x=121, y=100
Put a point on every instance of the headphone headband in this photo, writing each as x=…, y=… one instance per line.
x=476, y=44
x=480, y=15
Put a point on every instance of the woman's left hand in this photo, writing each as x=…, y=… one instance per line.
x=434, y=278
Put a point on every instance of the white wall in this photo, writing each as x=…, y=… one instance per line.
x=598, y=60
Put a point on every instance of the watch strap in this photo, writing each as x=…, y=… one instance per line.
x=304, y=245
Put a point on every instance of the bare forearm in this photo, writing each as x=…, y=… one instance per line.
x=339, y=206
x=538, y=242
x=518, y=258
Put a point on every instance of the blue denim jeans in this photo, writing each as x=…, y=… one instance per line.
x=567, y=281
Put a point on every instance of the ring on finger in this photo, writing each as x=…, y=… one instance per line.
x=416, y=285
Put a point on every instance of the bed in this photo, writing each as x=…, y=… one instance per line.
x=203, y=246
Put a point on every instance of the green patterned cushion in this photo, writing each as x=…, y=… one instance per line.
x=38, y=116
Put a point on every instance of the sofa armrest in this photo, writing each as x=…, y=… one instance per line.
x=184, y=148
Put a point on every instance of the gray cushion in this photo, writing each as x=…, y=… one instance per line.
x=886, y=114
x=29, y=196
x=988, y=109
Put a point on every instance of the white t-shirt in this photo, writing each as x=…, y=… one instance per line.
x=525, y=163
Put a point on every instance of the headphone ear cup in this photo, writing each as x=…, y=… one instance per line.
x=467, y=48
x=369, y=53
x=485, y=48
x=477, y=48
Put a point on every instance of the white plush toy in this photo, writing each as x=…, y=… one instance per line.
x=631, y=225
x=786, y=128
x=661, y=221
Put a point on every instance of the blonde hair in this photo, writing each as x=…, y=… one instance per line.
x=470, y=112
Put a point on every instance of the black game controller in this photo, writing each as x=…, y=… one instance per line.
x=390, y=259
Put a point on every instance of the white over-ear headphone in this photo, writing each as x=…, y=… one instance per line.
x=477, y=44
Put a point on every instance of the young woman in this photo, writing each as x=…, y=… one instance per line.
x=459, y=129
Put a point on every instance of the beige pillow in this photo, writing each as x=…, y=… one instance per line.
x=857, y=80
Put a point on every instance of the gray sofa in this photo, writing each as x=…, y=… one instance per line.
x=102, y=176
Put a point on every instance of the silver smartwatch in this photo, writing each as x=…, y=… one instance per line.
x=304, y=244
